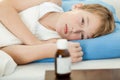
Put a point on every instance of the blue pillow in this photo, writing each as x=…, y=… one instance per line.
x=103, y=47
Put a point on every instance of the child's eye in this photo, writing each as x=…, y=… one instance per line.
x=82, y=21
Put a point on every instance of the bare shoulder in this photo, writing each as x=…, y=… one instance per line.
x=21, y=5
x=24, y=4
x=58, y=2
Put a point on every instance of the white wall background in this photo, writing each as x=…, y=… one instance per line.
x=116, y=4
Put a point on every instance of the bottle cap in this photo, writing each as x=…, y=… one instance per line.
x=62, y=44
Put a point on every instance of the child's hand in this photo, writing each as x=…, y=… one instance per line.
x=75, y=51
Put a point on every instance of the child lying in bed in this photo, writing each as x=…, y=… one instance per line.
x=47, y=21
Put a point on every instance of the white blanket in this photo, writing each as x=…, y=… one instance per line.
x=7, y=64
x=29, y=16
x=7, y=38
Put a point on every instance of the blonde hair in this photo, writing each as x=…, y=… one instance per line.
x=108, y=24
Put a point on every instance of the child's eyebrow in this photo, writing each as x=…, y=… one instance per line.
x=87, y=21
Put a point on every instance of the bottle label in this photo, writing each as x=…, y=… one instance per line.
x=63, y=65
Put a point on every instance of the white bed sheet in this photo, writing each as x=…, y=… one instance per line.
x=36, y=71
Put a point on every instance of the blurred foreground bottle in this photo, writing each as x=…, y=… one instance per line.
x=62, y=60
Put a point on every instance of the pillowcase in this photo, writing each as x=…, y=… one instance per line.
x=104, y=47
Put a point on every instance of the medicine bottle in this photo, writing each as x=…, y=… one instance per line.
x=62, y=59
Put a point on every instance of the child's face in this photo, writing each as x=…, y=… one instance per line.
x=78, y=24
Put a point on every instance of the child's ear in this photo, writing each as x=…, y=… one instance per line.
x=77, y=6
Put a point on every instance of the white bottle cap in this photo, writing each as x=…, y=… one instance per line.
x=62, y=44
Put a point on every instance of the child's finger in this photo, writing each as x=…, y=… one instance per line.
x=76, y=59
x=77, y=54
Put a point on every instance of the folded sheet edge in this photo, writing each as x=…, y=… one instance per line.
x=7, y=64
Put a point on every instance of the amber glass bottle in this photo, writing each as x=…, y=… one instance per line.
x=62, y=59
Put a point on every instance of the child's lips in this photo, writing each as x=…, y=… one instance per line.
x=66, y=29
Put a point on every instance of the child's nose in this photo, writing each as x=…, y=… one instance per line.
x=77, y=29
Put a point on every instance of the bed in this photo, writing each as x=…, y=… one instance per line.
x=36, y=70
